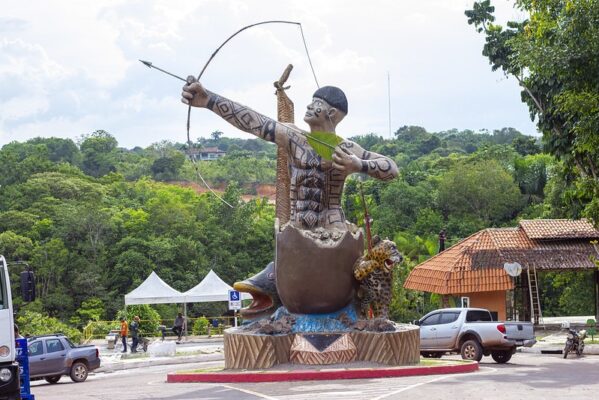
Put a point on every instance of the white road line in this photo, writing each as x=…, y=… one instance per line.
x=264, y=396
x=490, y=370
x=412, y=387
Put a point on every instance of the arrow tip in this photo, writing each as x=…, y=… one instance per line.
x=146, y=63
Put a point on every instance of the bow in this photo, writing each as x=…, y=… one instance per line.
x=189, y=142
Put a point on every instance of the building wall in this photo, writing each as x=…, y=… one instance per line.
x=492, y=301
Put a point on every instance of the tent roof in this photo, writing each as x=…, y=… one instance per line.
x=212, y=288
x=153, y=291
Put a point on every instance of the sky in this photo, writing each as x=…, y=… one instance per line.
x=69, y=68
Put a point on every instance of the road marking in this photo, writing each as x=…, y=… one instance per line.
x=263, y=396
x=411, y=387
x=490, y=370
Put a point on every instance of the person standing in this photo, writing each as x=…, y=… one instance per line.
x=134, y=329
x=124, y=333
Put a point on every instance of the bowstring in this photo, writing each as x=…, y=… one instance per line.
x=191, y=154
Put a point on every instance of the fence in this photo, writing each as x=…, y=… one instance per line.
x=99, y=329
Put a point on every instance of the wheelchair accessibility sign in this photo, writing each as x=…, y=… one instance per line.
x=234, y=300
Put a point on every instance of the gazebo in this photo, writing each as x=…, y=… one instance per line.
x=477, y=267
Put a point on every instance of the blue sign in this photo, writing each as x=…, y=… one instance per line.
x=23, y=360
x=234, y=300
x=233, y=295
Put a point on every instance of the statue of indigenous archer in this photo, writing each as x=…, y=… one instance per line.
x=316, y=250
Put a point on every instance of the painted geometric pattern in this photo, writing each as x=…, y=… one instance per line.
x=256, y=351
x=390, y=348
x=338, y=351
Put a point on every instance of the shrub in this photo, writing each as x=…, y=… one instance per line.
x=200, y=326
x=35, y=323
x=149, y=318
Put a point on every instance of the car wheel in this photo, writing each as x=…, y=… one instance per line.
x=472, y=350
x=79, y=372
x=52, y=379
x=502, y=356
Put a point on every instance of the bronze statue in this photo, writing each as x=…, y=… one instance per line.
x=317, y=249
x=316, y=184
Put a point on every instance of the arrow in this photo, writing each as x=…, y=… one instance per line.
x=149, y=65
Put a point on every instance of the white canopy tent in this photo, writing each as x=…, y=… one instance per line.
x=154, y=291
x=211, y=288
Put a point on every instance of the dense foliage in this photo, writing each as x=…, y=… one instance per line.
x=554, y=55
x=93, y=219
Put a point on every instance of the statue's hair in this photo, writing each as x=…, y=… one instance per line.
x=334, y=96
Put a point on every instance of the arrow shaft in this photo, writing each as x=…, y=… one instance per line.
x=168, y=73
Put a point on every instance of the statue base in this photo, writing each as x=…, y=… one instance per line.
x=250, y=350
x=322, y=349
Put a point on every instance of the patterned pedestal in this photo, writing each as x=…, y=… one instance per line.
x=245, y=350
x=322, y=349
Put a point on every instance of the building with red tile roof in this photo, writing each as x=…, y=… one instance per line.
x=474, y=267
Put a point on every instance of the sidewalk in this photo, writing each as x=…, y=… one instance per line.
x=194, y=349
x=553, y=342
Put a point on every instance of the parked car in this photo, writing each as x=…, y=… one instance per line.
x=52, y=356
x=472, y=333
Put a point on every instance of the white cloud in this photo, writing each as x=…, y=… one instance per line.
x=68, y=68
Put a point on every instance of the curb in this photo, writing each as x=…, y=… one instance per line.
x=120, y=366
x=589, y=350
x=286, y=376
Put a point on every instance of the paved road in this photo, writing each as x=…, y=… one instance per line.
x=530, y=376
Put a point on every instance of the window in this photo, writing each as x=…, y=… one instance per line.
x=478, y=316
x=431, y=320
x=54, y=345
x=35, y=349
x=449, y=317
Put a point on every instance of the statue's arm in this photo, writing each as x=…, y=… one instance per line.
x=352, y=158
x=238, y=115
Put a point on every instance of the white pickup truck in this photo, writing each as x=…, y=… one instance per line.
x=472, y=333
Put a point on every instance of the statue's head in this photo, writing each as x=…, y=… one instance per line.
x=329, y=106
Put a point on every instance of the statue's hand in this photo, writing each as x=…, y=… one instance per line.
x=194, y=93
x=345, y=161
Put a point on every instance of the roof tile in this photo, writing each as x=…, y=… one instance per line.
x=476, y=263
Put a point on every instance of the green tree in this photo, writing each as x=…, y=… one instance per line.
x=553, y=56
x=461, y=192
x=99, y=150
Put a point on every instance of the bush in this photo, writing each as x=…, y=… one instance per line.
x=149, y=318
x=200, y=326
x=35, y=323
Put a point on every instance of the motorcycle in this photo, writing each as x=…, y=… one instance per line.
x=575, y=342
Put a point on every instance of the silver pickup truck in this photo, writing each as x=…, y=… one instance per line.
x=473, y=333
x=52, y=356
